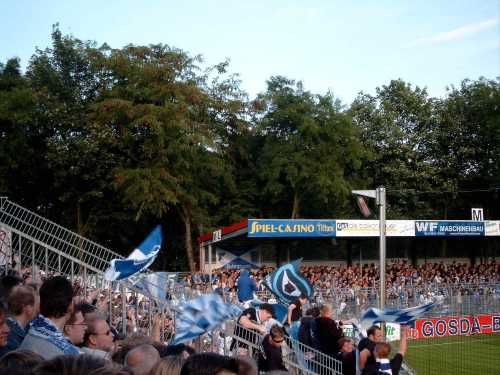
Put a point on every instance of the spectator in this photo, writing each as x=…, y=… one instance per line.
x=367, y=345
x=382, y=364
x=181, y=350
x=308, y=327
x=273, y=356
x=118, y=356
x=77, y=365
x=250, y=324
x=328, y=332
x=23, y=305
x=347, y=356
x=7, y=283
x=142, y=359
x=295, y=309
x=4, y=328
x=98, y=339
x=216, y=364
x=45, y=335
x=24, y=360
x=75, y=327
x=246, y=288
x=169, y=365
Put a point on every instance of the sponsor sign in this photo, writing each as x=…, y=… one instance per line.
x=370, y=228
x=492, y=228
x=455, y=326
x=444, y=228
x=291, y=228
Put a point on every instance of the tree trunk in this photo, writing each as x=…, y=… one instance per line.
x=186, y=218
x=296, y=206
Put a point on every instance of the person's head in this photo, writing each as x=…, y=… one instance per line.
x=276, y=335
x=210, y=364
x=20, y=359
x=56, y=297
x=303, y=299
x=313, y=311
x=382, y=350
x=374, y=334
x=169, y=365
x=99, y=335
x=4, y=328
x=142, y=359
x=89, y=311
x=346, y=345
x=266, y=312
x=23, y=302
x=75, y=327
x=123, y=347
x=8, y=282
x=181, y=350
x=83, y=364
x=326, y=311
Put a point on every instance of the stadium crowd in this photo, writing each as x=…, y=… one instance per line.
x=399, y=273
x=56, y=327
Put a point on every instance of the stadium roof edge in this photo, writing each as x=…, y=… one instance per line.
x=225, y=231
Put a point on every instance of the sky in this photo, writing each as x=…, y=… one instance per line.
x=340, y=46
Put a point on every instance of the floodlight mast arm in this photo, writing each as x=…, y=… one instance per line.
x=379, y=196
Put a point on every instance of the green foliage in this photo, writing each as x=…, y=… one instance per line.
x=112, y=141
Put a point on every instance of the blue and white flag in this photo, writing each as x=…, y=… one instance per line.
x=140, y=259
x=155, y=284
x=202, y=315
x=280, y=311
x=400, y=316
x=287, y=283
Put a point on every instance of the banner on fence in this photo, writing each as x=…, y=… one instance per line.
x=456, y=326
x=370, y=228
x=392, y=331
x=449, y=228
x=235, y=257
x=5, y=246
x=290, y=228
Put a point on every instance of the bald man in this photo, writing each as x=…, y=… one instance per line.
x=142, y=359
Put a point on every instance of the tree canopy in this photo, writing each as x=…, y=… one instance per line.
x=109, y=141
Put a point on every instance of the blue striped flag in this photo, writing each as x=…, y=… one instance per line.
x=140, y=259
x=400, y=316
x=202, y=315
x=287, y=283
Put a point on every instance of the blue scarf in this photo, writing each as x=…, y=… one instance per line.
x=45, y=329
x=385, y=365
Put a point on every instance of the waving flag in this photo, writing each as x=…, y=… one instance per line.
x=287, y=283
x=280, y=311
x=140, y=259
x=156, y=284
x=202, y=315
x=403, y=316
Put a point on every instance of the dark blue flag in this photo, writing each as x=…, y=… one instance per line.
x=287, y=283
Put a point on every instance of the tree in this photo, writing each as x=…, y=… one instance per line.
x=310, y=150
x=394, y=128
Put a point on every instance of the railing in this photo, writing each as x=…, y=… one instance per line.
x=298, y=358
x=40, y=248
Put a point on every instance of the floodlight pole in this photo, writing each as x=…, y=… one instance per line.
x=379, y=195
x=381, y=202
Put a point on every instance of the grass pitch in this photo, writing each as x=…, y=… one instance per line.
x=459, y=355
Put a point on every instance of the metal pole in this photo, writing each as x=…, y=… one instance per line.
x=382, y=245
x=210, y=262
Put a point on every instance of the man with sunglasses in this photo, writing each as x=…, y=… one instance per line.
x=98, y=339
x=273, y=355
